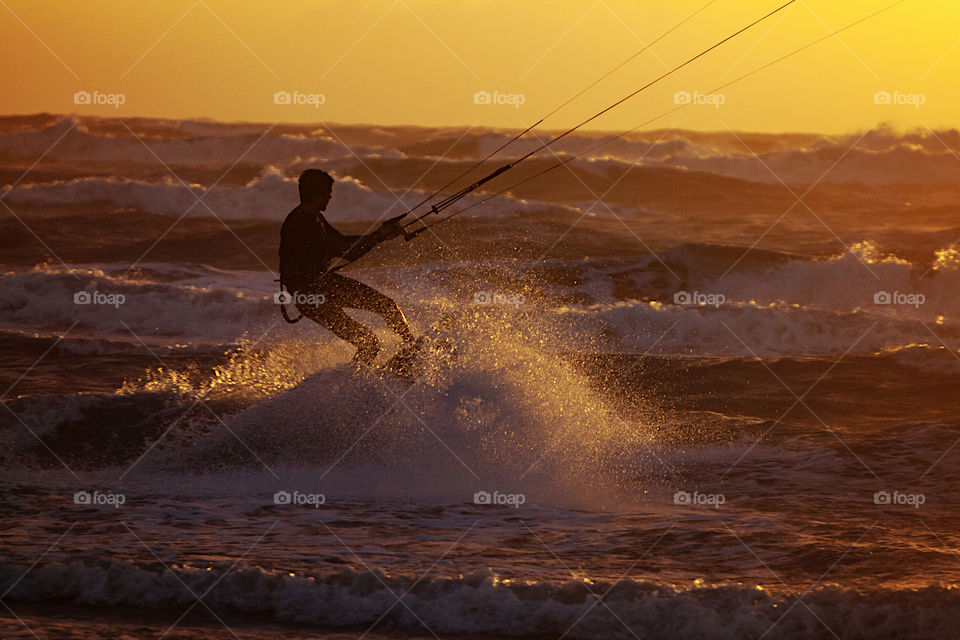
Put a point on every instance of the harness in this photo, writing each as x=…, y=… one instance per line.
x=283, y=298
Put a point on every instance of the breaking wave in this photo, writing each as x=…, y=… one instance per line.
x=485, y=604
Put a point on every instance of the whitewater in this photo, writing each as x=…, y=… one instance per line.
x=710, y=378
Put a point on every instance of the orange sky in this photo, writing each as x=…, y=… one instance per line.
x=422, y=61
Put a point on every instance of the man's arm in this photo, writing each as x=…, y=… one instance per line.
x=351, y=247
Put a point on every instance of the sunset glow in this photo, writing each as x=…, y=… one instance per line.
x=420, y=62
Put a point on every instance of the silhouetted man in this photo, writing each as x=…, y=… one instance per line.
x=308, y=247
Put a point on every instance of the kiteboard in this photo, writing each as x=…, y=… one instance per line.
x=412, y=361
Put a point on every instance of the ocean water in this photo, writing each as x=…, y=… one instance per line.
x=705, y=386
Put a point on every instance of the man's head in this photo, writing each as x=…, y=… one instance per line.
x=315, y=188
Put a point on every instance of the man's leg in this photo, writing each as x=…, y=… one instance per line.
x=346, y=328
x=346, y=292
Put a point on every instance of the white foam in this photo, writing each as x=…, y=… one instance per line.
x=210, y=307
x=781, y=305
x=881, y=156
x=483, y=604
x=270, y=196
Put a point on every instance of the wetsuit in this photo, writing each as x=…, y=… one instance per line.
x=308, y=247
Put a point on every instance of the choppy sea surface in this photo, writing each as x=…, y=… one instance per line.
x=705, y=386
